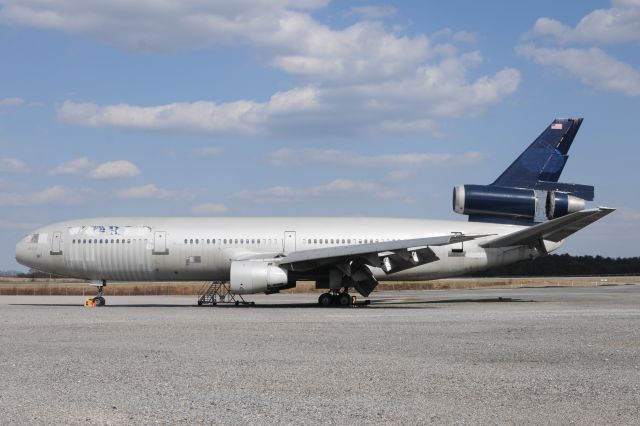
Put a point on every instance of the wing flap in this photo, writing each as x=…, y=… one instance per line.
x=401, y=254
x=553, y=230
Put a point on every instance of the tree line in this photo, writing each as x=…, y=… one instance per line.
x=563, y=265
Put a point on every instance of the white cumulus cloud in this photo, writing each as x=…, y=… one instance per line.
x=373, y=12
x=279, y=194
x=288, y=156
x=51, y=195
x=114, y=169
x=362, y=78
x=152, y=191
x=210, y=208
x=618, y=24
x=12, y=165
x=75, y=166
x=10, y=102
x=592, y=67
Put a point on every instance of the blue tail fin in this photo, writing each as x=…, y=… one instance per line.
x=540, y=165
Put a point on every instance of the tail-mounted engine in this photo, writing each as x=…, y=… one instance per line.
x=479, y=201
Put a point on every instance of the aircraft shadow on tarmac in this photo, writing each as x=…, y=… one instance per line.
x=390, y=303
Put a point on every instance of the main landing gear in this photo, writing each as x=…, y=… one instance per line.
x=336, y=298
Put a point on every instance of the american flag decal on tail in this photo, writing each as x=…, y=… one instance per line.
x=556, y=126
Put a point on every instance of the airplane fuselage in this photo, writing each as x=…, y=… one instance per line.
x=202, y=249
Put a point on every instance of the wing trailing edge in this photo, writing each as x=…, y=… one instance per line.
x=554, y=230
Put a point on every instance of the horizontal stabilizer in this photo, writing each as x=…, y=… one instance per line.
x=554, y=230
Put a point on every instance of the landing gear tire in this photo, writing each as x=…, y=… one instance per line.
x=325, y=300
x=100, y=301
x=344, y=299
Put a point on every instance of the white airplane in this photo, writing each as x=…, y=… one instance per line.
x=525, y=213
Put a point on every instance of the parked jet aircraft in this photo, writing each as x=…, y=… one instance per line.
x=525, y=213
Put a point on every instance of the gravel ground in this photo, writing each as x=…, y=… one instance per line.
x=520, y=356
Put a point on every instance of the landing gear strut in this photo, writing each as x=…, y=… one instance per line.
x=99, y=300
x=335, y=298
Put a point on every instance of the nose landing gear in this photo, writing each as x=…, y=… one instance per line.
x=99, y=299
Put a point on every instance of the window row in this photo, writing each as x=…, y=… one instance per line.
x=304, y=241
x=343, y=240
x=103, y=241
x=229, y=241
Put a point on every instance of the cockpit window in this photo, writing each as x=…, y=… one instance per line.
x=33, y=238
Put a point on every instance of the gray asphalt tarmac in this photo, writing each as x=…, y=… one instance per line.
x=508, y=356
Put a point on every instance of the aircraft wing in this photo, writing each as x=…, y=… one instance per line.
x=391, y=256
x=553, y=230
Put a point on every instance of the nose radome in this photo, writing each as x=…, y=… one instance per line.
x=21, y=252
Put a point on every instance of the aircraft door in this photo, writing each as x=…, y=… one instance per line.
x=289, y=241
x=56, y=247
x=160, y=242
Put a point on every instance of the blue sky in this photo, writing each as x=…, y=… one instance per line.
x=308, y=107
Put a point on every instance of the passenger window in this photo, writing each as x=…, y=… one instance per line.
x=213, y=241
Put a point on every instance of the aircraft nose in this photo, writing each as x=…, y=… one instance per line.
x=26, y=252
x=21, y=252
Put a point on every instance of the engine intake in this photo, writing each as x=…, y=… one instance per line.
x=255, y=276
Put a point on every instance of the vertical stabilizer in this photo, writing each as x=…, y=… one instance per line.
x=545, y=158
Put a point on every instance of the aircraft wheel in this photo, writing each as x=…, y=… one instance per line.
x=100, y=301
x=344, y=299
x=325, y=299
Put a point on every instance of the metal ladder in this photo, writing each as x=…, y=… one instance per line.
x=215, y=292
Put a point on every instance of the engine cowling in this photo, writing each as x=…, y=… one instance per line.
x=255, y=276
x=560, y=204
x=494, y=201
x=519, y=203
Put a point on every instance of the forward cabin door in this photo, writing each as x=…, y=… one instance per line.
x=289, y=241
x=55, y=243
